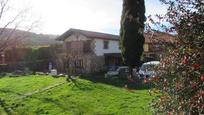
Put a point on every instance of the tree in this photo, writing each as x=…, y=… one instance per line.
x=131, y=32
x=11, y=20
x=180, y=78
x=38, y=59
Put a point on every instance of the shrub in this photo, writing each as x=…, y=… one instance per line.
x=38, y=59
x=180, y=79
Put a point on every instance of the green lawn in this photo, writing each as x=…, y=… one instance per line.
x=82, y=98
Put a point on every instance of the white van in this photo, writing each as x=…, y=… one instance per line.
x=147, y=69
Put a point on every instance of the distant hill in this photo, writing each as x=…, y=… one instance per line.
x=29, y=38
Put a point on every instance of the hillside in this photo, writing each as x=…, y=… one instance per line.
x=36, y=95
x=29, y=38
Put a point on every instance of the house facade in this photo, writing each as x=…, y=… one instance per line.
x=2, y=58
x=156, y=44
x=88, y=52
x=85, y=51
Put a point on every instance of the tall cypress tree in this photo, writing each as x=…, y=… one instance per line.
x=131, y=32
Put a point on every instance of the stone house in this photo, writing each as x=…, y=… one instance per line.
x=88, y=52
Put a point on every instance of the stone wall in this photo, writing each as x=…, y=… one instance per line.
x=77, y=60
x=84, y=64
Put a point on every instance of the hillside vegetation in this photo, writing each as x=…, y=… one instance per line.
x=29, y=38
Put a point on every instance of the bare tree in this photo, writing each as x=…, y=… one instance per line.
x=10, y=21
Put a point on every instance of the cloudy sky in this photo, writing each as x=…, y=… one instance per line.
x=57, y=16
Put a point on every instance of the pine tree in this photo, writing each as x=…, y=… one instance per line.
x=131, y=32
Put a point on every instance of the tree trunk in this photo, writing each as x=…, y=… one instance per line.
x=130, y=71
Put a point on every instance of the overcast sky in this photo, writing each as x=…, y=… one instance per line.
x=57, y=16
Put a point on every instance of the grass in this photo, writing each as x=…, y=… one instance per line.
x=83, y=98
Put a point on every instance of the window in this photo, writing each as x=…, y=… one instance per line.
x=105, y=44
x=146, y=47
x=87, y=46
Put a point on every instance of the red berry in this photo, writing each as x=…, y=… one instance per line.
x=178, y=86
x=202, y=78
x=154, y=78
x=146, y=80
x=193, y=85
x=196, y=66
x=185, y=60
x=169, y=113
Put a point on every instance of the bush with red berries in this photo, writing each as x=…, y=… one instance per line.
x=179, y=83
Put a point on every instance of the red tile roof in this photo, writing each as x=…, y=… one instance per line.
x=149, y=37
x=159, y=37
x=89, y=34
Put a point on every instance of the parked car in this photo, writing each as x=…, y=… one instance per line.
x=120, y=71
x=147, y=69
